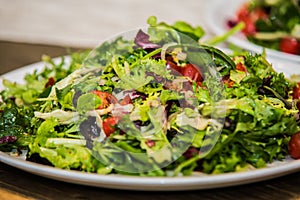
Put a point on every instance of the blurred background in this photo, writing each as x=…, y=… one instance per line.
x=34, y=27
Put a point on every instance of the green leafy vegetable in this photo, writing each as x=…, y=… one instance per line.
x=162, y=104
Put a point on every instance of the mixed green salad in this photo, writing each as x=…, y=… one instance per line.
x=273, y=24
x=158, y=104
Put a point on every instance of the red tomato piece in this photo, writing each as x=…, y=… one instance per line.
x=108, y=125
x=50, y=82
x=294, y=146
x=106, y=98
x=296, y=91
x=289, y=45
x=150, y=143
x=175, y=69
x=241, y=67
x=227, y=81
x=193, y=72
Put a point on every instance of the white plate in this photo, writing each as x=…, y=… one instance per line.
x=197, y=181
x=216, y=15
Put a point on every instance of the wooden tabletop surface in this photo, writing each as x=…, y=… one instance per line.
x=16, y=184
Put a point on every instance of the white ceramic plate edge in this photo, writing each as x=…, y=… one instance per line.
x=153, y=183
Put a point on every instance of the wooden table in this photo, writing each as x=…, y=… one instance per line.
x=18, y=185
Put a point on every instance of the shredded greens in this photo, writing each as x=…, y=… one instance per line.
x=138, y=97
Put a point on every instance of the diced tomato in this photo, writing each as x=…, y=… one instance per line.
x=50, y=82
x=227, y=81
x=108, y=125
x=296, y=91
x=105, y=97
x=150, y=143
x=290, y=45
x=193, y=72
x=296, y=94
x=294, y=146
x=241, y=67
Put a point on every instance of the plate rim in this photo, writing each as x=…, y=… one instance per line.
x=116, y=181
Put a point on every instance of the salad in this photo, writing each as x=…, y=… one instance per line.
x=159, y=104
x=272, y=24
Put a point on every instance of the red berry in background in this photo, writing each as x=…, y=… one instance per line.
x=258, y=13
x=249, y=16
x=243, y=12
x=245, y=15
x=289, y=45
x=250, y=28
x=294, y=146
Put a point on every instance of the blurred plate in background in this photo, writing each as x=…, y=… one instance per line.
x=217, y=14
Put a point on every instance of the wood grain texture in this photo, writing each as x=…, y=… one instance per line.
x=9, y=195
x=36, y=187
x=15, y=55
